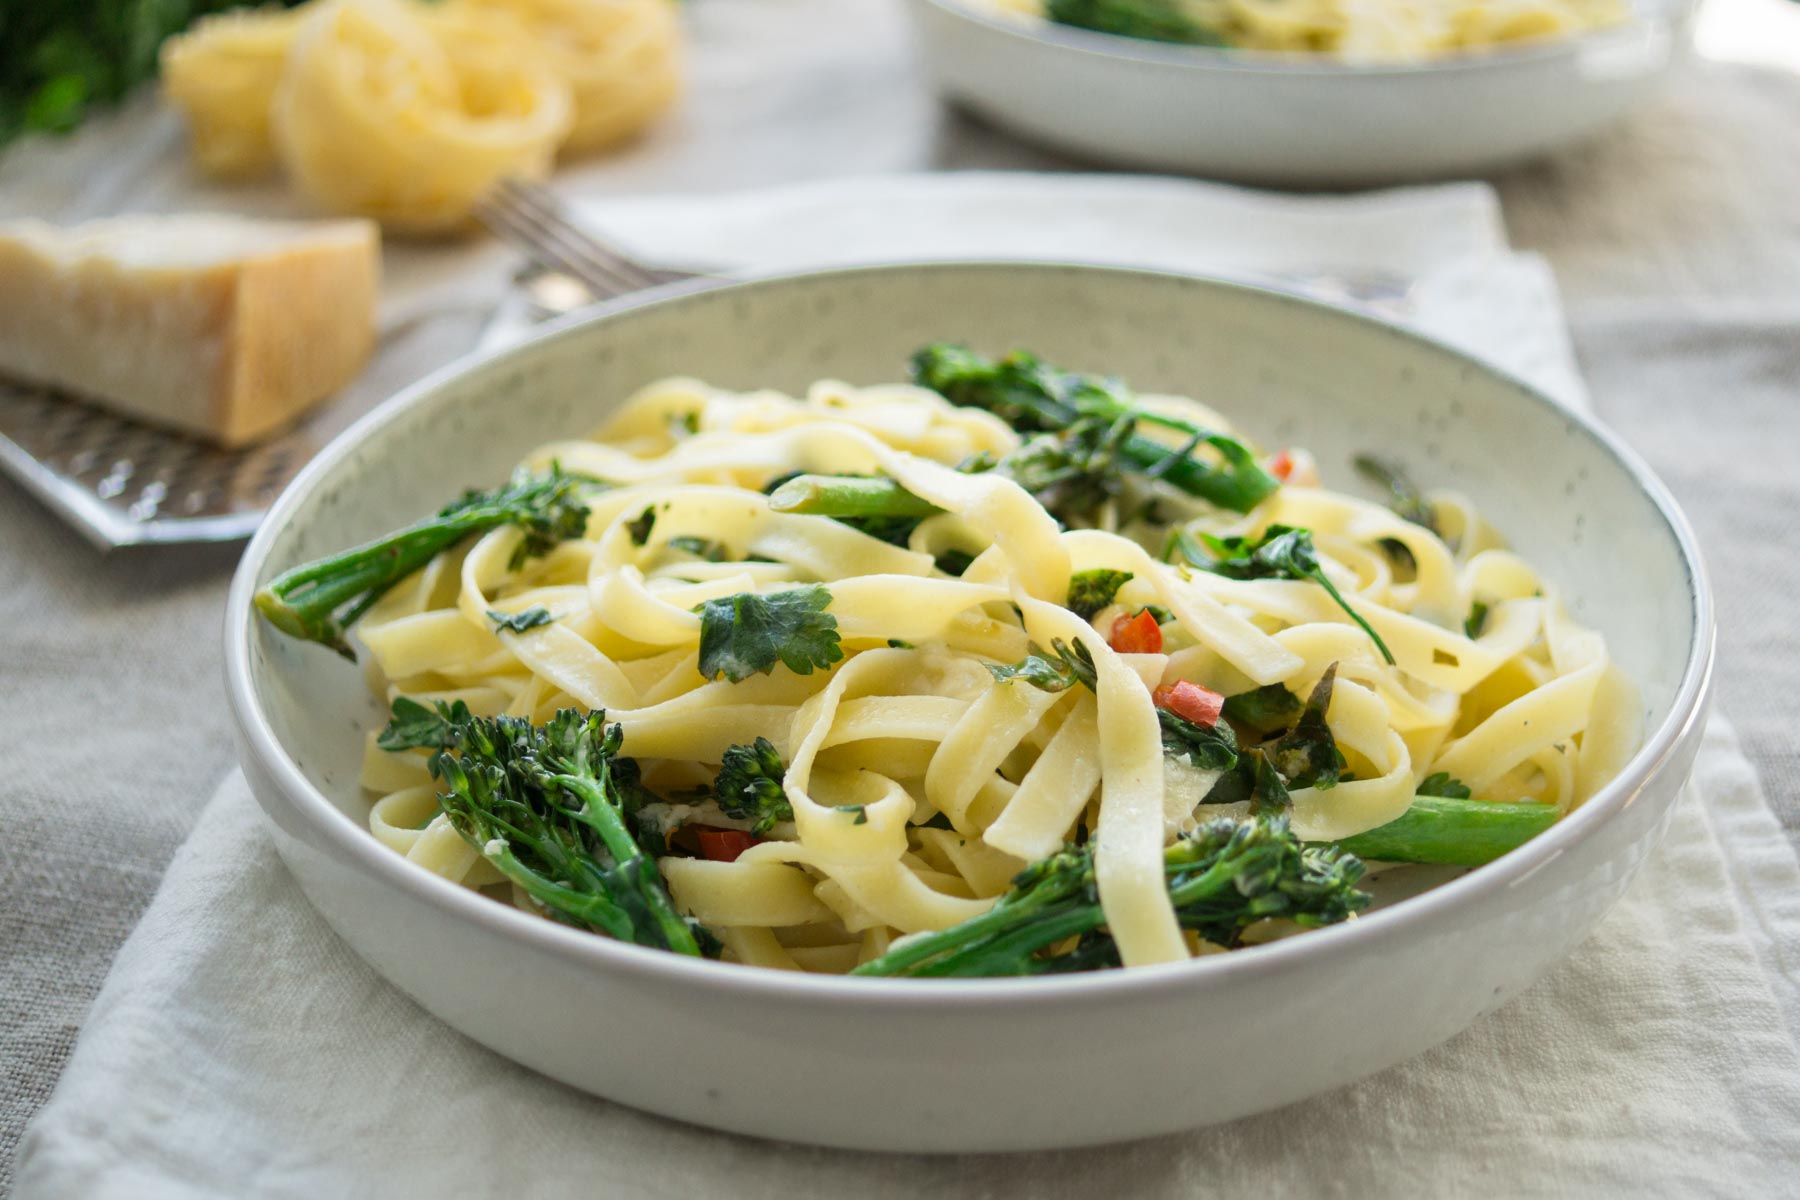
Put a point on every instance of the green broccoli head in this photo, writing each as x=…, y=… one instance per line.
x=749, y=785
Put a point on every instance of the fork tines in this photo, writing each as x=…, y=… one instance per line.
x=533, y=220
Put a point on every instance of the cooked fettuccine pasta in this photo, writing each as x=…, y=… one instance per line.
x=873, y=652
x=1357, y=31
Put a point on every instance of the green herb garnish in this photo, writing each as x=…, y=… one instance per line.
x=1308, y=755
x=1442, y=784
x=519, y=622
x=1266, y=710
x=747, y=634
x=1282, y=552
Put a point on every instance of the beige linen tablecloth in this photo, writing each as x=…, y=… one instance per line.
x=1676, y=240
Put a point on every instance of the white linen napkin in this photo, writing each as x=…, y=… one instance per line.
x=1445, y=245
x=239, y=1048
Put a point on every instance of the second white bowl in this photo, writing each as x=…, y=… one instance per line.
x=1290, y=121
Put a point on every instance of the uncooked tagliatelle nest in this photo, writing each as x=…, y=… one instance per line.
x=407, y=112
x=621, y=58
x=408, y=116
x=223, y=75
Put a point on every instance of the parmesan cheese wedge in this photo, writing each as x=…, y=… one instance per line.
x=218, y=326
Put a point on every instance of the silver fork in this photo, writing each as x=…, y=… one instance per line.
x=575, y=267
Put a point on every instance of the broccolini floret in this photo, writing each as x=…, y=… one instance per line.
x=1224, y=877
x=1099, y=417
x=1155, y=20
x=749, y=788
x=543, y=805
x=1092, y=590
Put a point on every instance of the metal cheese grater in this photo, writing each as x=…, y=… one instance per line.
x=123, y=484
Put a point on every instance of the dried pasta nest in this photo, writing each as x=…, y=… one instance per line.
x=407, y=112
x=621, y=58
x=223, y=75
x=408, y=116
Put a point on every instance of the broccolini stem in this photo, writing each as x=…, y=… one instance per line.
x=1156, y=20
x=600, y=812
x=1054, y=880
x=844, y=496
x=1223, y=877
x=1013, y=951
x=590, y=909
x=1452, y=832
x=318, y=601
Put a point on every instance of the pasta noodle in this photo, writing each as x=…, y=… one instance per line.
x=223, y=75
x=407, y=111
x=408, y=116
x=921, y=781
x=1377, y=31
x=620, y=58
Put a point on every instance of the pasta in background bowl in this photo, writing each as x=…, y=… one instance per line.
x=1312, y=93
x=822, y=1054
x=1351, y=31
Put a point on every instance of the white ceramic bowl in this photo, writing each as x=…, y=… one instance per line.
x=961, y=1065
x=1287, y=120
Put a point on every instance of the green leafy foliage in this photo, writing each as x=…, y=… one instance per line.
x=1096, y=422
x=953, y=562
x=1059, y=669
x=1442, y=784
x=1307, y=755
x=1091, y=591
x=530, y=618
x=1476, y=621
x=320, y=600
x=1155, y=20
x=62, y=59
x=414, y=726
x=544, y=805
x=1266, y=710
x=1209, y=747
x=1253, y=779
x=1072, y=473
x=701, y=548
x=747, y=634
x=1282, y=552
x=1403, y=496
x=1224, y=877
x=749, y=788
x=639, y=528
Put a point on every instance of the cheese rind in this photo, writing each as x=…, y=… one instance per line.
x=222, y=327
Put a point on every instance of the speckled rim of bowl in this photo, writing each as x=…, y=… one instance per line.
x=1218, y=58
x=355, y=843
